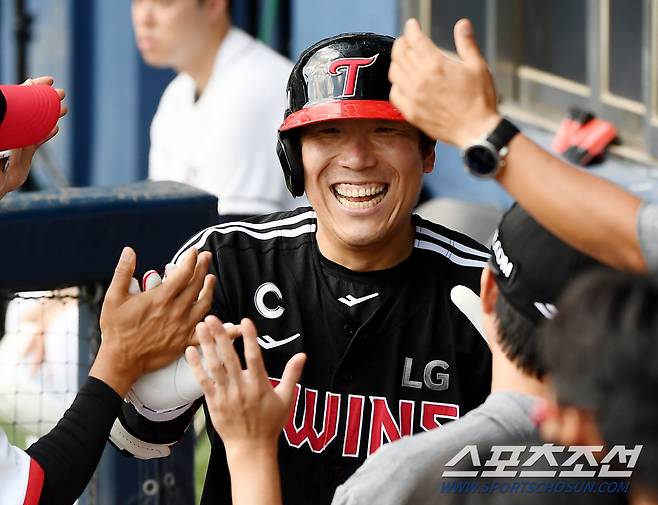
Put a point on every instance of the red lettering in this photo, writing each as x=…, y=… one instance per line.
x=352, y=67
x=432, y=411
x=353, y=431
x=307, y=433
x=382, y=422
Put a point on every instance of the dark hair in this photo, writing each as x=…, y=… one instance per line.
x=517, y=336
x=602, y=354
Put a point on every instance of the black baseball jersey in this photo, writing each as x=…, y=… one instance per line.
x=389, y=354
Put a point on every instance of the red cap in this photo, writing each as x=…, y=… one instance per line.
x=27, y=114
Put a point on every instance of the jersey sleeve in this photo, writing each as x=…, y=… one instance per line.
x=647, y=223
x=162, y=166
x=66, y=457
x=158, y=156
x=21, y=478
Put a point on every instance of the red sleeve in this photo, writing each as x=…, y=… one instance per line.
x=34, y=484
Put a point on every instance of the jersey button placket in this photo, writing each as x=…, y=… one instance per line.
x=346, y=376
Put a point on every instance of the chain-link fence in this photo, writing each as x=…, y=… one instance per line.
x=42, y=357
x=73, y=237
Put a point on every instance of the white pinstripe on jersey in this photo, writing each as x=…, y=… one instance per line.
x=478, y=259
x=426, y=231
x=276, y=229
x=548, y=310
x=251, y=229
x=459, y=260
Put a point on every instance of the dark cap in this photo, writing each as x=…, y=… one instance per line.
x=341, y=77
x=532, y=266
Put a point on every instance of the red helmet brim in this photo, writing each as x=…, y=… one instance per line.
x=341, y=109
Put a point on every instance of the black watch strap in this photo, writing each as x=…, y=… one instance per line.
x=502, y=134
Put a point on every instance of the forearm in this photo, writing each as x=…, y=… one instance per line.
x=454, y=100
x=589, y=212
x=106, y=368
x=255, y=476
x=70, y=452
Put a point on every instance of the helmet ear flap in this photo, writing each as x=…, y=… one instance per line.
x=289, y=152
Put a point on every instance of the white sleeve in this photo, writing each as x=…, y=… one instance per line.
x=157, y=155
x=162, y=133
x=20, y=478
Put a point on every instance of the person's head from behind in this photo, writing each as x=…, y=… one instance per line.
x=345, y=145
x=528, y=270
x=174, y=33
x=602, y=353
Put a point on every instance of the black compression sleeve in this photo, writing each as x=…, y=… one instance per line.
x=70, y=452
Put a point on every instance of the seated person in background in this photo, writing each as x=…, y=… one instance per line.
x=215, y=127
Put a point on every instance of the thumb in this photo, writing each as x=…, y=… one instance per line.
x=123, y=274
x=467, y=48
x=290, y=377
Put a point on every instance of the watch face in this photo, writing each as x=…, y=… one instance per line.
x=481, y=160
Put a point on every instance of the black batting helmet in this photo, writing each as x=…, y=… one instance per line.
x=342, y=77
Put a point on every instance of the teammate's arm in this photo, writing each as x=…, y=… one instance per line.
x=246, y=411
x=454, y=101
x=144, y=429
x=140, y=332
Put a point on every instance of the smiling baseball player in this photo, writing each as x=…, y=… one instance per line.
x=356, y=282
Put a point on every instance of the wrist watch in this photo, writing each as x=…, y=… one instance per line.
x=484, y=157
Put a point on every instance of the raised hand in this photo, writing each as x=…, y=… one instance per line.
x=145, y=331
x=451, y=100
x=247, y=412
x=245, y=409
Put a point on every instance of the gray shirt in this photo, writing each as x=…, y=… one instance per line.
x=647, y=226
x=409, y=470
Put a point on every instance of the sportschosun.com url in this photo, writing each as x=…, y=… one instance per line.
x=531, y=487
